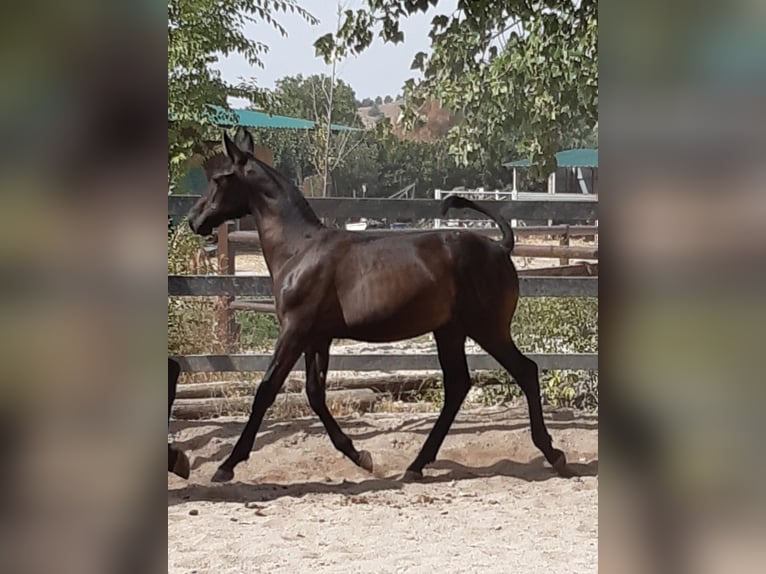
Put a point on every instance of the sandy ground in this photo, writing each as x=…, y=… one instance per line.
x=489, y=504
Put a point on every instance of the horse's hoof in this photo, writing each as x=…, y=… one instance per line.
x=411, y=476
x=365, y=460
x=181, y=466
x=561, y=467
x=223, y=475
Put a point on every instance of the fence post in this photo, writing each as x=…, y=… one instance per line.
x=564, y=240
x=224, y=317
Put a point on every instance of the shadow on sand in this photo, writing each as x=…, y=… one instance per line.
x=532, y=471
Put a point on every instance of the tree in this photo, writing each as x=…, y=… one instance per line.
x=301, y=153
x=378, y=100
x=385, y=163
x=366, y=103
x=199, y=32
x=360, y=168
x=374, y=111
x=307, y=98
x=523, y=75
x=388, y=100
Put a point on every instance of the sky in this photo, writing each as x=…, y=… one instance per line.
x=380, y=70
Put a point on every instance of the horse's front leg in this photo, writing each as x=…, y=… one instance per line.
x=317, y=360
x=290, y=345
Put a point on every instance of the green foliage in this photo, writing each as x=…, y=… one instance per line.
x=258, y=331
x=433, y=395
x=377, y=159
x=552, y=324
x=561, y=325
x=199, y=32
x=428, y=164
x=307, y=97
x=190, y=319
x=361, y=168
x=522, y=75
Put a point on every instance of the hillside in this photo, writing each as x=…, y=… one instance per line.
x=438, y=122
x=391, y=111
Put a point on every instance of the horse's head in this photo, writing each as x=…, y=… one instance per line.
x=228, y=193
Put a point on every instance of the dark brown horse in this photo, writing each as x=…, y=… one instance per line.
x=368, y=286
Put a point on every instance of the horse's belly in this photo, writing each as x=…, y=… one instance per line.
x=376, y=312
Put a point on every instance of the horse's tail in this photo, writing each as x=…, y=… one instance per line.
x=456, y=202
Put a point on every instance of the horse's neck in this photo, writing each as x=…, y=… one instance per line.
x=283, y=231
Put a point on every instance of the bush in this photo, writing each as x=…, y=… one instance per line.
x=258, y=331
x=190, y=319
x=560, y=325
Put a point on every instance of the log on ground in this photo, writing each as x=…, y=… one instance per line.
x=393, y=384
x=362, y=400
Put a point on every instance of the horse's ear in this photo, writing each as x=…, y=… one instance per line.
x=234, y=153
x=245, y=142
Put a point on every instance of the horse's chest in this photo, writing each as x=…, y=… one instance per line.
x=300, y=288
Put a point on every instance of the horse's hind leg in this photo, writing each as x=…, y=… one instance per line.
x=450, y=344
x=317, y=359
x=525, y=373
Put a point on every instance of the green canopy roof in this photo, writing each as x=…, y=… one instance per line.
x=568, y=158
x=254, y=119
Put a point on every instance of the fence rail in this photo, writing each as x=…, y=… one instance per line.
x=412, y=209
x=260, y=286
x=381, y=362
x=244, y=239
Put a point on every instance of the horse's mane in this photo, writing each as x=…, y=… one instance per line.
x=293, y=195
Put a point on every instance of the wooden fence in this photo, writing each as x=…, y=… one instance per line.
x=229, y=286
x=260, y=286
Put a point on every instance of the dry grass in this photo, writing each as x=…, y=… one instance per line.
x=390, y=405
